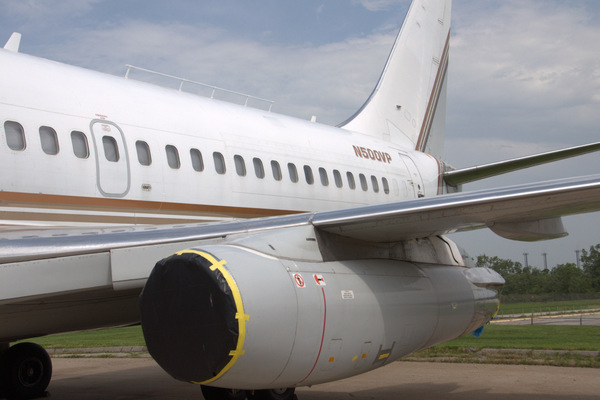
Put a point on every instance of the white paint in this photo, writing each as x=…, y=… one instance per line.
x=39, y=92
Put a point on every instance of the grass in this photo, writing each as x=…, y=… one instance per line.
x=495, y=356
x=117, y=337
x=499, y=344
x=551, y=306
x=547, y=337
x=522, y=344
x=494, y=336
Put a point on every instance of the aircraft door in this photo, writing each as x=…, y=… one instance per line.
x=415, y=179
x=113, y=176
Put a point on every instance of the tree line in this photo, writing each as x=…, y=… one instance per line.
x=529, y=283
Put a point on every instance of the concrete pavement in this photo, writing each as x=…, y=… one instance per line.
x=141, y=378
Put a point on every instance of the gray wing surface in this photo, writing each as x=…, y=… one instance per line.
x=524, y=212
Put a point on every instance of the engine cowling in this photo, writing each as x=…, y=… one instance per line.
x=230, y=316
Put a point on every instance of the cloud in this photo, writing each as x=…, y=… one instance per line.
x=516, y=69
x=527, y=63
x=330, y=81
x=379, y=5
x=44, y=13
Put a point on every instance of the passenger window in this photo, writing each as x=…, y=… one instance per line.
x=259, y=170
x=197, y=162
x=219, y=163
x=363, y=182
x=143, y=152
x=172, y=156
x=386, y=186
x=240, y=165
x=276, y=170
x=351, y=182
x=375, y=184
x=49, y=140
x=15, y=136
x=308, y=175
x=337, y=177
x=111, y=150
x=80, y=144
x=324, y=177
x=293, y=172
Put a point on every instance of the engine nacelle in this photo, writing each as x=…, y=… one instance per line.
x=230, y=316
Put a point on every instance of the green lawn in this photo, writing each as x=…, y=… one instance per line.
x=117, y=337
x=464, y=349
x=551, y=306
x=518, y=345
x=531, y=337
x=494, y=336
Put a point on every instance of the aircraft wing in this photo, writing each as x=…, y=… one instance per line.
x=524, y=212
x=515, y=206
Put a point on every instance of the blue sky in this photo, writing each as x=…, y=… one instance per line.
x=524, y=74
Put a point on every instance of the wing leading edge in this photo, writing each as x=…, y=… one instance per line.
x=525, y=212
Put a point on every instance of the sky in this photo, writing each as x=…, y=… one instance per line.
x=524, y=75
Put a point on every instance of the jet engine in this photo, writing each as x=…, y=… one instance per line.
x=230, y=316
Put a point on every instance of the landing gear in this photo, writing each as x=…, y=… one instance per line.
x=213, y=393
x=25, y=371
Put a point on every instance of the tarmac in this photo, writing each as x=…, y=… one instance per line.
x=130, y=378
x=129, y=373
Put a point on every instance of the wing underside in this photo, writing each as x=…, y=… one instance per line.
x=525, y=212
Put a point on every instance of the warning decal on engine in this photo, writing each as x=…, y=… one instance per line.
x=299, y=280
x=347, y=294
x=319, y=280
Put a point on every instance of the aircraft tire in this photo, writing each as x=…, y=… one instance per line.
x=273, y=394
x=26, y=370
x=215, y=393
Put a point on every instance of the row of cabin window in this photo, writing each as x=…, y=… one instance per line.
x=240, y=168
x=15, y=139
x=144, y=158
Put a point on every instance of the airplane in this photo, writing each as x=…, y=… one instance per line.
x=259, y=252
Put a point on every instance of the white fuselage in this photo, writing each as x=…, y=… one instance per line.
x=80, y=147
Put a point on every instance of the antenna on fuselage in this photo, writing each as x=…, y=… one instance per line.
x=13, y=42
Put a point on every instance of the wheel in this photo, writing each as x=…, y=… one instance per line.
x=215, y=393
x=273, y=394
x=25, y=370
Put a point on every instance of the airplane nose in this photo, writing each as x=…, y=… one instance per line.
x=188, y=317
